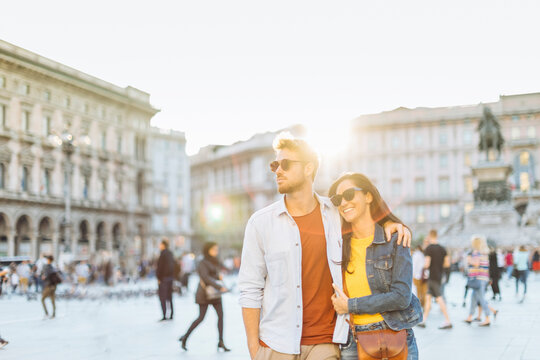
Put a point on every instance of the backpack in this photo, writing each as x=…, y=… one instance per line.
x=55, y=278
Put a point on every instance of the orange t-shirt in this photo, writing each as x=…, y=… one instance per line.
x=318, y=313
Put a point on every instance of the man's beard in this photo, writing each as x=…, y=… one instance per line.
x=290, y=188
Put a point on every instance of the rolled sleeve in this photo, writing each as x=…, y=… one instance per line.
x=252, y=275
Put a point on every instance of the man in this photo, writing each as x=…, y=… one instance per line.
x=49, y=286
x=290, y=258
x=165, y=276
x=436, y=261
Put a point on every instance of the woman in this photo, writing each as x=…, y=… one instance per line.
x=209, y=275
x=384, y=299
x=494, y=275
x=521, y=265
x=478, y=278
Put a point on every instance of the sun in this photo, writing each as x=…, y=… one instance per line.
x=330, y=139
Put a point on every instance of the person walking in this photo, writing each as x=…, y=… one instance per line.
x=208, y=292
x=377, y=274
x=24, y=272
x=521, y=259
x=290, y=258
x=165, y=276
x=419, y=281
x=494, y=275
x=509, y=264
x=478, y=278
x=436, y=260
x=50, y=281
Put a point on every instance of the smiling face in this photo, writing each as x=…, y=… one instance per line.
x=296, y=177
x=213, y=251
x=356, y=209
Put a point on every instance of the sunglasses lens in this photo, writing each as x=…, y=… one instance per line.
x=285, y=164
x=274, y=166
x=348, y=194
x=336, y=200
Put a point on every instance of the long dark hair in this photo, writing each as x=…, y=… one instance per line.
x=380, y=212
x=206, y=252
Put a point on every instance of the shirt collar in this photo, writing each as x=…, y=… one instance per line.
x=323, y=201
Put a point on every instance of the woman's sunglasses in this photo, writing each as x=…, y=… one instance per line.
x=347, y=195
x=285, y=164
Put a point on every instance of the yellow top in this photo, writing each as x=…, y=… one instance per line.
x=357, y=282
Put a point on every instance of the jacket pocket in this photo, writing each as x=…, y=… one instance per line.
x=384, y=265
x=276, y=264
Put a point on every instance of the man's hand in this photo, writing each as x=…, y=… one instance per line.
x=253, y=348
x=340, y=301
x=404, y=234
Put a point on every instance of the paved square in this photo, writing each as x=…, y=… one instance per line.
x=128, y=329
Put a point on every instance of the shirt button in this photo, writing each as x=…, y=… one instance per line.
x=298, y=286
x=296, y=244
x=297, y=326
x=298, y=306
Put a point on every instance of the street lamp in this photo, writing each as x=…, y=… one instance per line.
x=68, y=144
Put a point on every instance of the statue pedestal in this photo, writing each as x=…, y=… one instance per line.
x=491, y=171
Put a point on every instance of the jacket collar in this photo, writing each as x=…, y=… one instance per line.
x=379, y=237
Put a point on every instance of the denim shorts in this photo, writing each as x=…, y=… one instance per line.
x=349, y=351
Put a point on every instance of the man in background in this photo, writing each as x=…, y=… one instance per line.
x=436, y=261
x=165, y=276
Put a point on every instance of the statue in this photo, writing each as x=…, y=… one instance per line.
x=489, y=130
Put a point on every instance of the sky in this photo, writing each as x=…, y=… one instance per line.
x=223, y=70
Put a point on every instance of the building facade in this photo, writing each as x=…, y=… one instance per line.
x=228, y=184
x=110, y=185
x=171, y=189
x=421, y=158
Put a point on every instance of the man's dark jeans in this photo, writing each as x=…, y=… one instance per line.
x=165, y=295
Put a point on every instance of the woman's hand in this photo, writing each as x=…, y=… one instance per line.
x=404, y=234
x=340, y=301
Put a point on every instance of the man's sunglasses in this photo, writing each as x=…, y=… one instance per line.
x=347, y=195
x=285, y=164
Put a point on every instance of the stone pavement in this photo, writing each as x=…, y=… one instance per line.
x=128, y=329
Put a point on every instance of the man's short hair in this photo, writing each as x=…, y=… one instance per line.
x=165, y=242
x=433, y=233
x=50, y=258
x=285, y=140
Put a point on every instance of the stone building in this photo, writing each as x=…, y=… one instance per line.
x=110, y=183
x=421, y=158
x=228, y=184
x=171, y=189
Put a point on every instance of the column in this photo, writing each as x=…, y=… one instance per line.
x=11, y=242
x=34, y=245
x=55, y=247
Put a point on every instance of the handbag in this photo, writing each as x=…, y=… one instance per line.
x=384, y=344
x=211, y=292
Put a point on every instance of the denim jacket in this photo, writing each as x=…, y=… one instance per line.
x=389, y=272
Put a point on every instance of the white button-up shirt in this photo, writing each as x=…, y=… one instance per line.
x=271, y=273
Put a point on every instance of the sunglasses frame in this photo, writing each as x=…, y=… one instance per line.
x=334, y=199
x=285, y=164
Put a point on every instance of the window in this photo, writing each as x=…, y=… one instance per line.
x=86, y=186
x=395, y=142
x=420, y=162
x=164, y=201
x=444, y=186
x=515, y=133
x=119, y=190
x=469, y=185
x=2, y=82
x=119, y=144
x=524, y=182
x=46, y=186
x=443, y=161
x=418, y=140
x=25, y=89
x=396, y=187
x=420, y=214
x=445, y=211
x=443, y=138
x=47, y=95
x=67, y=102
x=2, y=176
x=524, y=158
x=420, y=187
x=46, y=125
x=24, y=179
x=467, y=159
x=531, y=132
x=25, y=121
x=103, y=140
x=103, y=185
x=467, y=137
x=3, y=116
x=515, y=118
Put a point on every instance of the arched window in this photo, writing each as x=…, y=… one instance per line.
x=2, y=176
x=24, y=179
